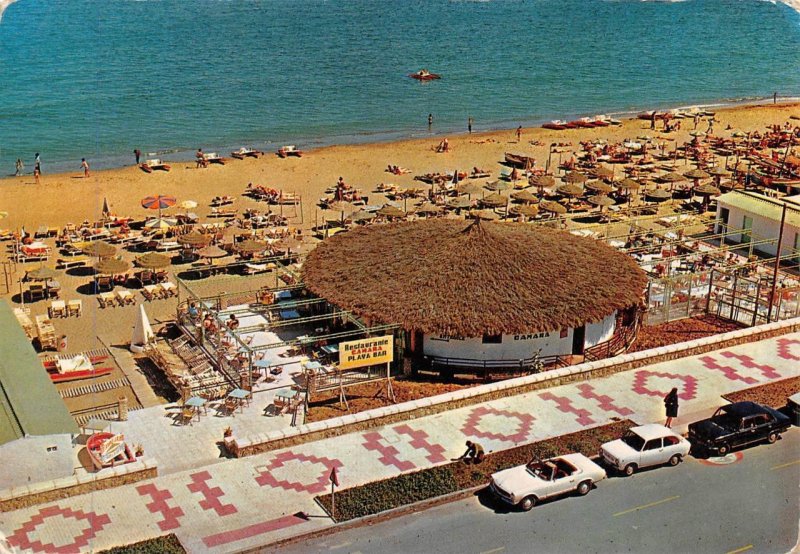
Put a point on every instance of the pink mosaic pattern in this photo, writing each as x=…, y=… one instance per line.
x=472, y=427
x=686, y=392
x=317, y=486
x=211, y=496
x=159, y=505
x=20, y=539
x=604, y=402
x=785, y=349
x=767, y=371
x=388, y=453
x=420, y=442
x=565, y=405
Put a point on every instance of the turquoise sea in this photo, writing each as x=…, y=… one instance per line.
x=98, y=78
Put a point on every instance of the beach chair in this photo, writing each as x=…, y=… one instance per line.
x=168, y=289
x=106, y=299
x=58, y=308
x=124, y=297
x=151, y=292
x=75, y=307
x=186, y=415
x=36, y=291
x=104, y=283
x=61, y=263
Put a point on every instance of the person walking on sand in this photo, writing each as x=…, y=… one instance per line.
x=519, y=133
x=671, y=405
x=37, y=163
x=469, y=125
x=138, y=154
x=36, y=174
x=19, y=166
x=85, y=167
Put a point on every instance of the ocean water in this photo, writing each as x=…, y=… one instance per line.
x=98, y=78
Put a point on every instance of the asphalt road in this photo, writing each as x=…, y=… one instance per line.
x=751, y=504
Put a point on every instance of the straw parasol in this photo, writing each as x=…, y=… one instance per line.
x=599, y=186
x=98, y=249
x=707, y=190
x=194, y=240
x=544, y=181
x=629, y=184
x=469, y=188
x=495, y=200
x=43, y=273
x=459, y=202
x=391, y=211
x=250, y=247
x=552, y=207
x=658, y=195
x=671, y=177
x=212, y=251
x=429, y=209
x=696, y=174
x=570, y=189
x=110, y=266
x=485, y=215
x=153, y=260
x=528, y=210
x=603, y=172
x=601, y=201
x=575, y=177
x=525, y=196
x=498, y=186
x=361, y=215
x=719, y=172
x=482, y=277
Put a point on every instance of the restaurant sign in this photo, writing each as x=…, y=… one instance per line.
x=364, y=352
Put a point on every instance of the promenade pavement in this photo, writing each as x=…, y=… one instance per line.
x=235, y=504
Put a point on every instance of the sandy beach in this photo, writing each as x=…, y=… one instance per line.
x=63, y=198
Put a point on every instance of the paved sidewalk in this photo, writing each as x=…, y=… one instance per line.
x=236, y=504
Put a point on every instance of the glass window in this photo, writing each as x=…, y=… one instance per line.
x=492, y=339
x=633, y=440
x=670, y=441
x=654, y=444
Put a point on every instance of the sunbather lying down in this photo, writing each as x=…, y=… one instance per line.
x=397, y=170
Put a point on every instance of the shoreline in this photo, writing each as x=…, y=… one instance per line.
x=68, y=197
x=113, y=161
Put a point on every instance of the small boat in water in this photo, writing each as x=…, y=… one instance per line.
x=424, y=75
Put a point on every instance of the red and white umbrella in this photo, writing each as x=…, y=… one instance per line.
x=158, y=203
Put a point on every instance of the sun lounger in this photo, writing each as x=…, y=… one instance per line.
x=106, y=299
x=151, y=292
x=41, y=232
x=58, y=308
x=168, y=289
x=75, y=307
x=61, y=263
x=124, y=297
x=218, y=201
x=221, y=212
x=46, y=332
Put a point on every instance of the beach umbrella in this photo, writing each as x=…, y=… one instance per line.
x=3, y=215
x=495, y=200
x=628, y=184
x=498, y=186
x=111, y=266
x=599, y=186
x=212, y=251
x=525, y=196
x=486, y=215
x=696, y=174
x=575, y=177
x=469, y=188
x=194, y=240
x=42, y=274
x=98, y=249
x=658, y=195
x=250, y=247
x=719, y=172
x=428, y=209
x=603, y=172
x=106, y=210
x=672, y=178
x=345, y=208
x=391, y=211
x=570, y=189
x=153, y=260
x=707, y=190
x=361, y=215
x=552, y=207
x=142, y=331
x=697, y=134
x=459, y=202
x=188, y=204
x=601, y=201
x=161, y=223
x=528, y=210
x=158, y=202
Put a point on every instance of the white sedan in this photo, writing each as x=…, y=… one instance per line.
x=525, y=485
x=643, y=446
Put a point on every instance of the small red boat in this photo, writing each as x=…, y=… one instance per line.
x=424, y=75
x=75, y=368
x=556, y=125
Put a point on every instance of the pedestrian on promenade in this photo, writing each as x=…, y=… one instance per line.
x=138, y=154
x=519, y=133
x=671, y=405
x=474, y=453
x=85, y=167
x=19, y=167
x=469, y=125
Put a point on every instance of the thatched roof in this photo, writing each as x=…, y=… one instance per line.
x=450, y=277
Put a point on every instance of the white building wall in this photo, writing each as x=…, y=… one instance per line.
x=600, y=331
x=763, y=228
x=513, y=347
x=34, y=459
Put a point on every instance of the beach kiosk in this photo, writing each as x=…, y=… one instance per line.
x=484, y=297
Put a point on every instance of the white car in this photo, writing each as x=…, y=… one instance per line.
x=643, y=446
x=525, y=485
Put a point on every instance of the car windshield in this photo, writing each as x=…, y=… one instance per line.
x=725, y=420
x=633, y=440
x=542, y=470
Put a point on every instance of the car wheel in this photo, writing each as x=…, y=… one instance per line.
x=772, y=437
x=584, y=487
x=675, y=460
x=629, y=469
x=527, y=503
x=723, y=449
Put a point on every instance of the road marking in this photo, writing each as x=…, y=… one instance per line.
x=742, y=549
x=786, y=465
x=494, y=551
x=643, y=506
x=337, y=546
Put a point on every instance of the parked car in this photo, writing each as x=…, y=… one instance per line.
x=527, y=484
x=737, y=424
x=643, y=446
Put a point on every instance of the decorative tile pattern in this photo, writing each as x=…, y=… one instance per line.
x=388, y=454
x=604, y=401
x=472, y=427
x=687, y=392
x=420, y=441
x=785, y=349
x=159, y=505
x=766, y=370
x=316, y=486
x=211, y=496
x=21, y=539
x=565, y=405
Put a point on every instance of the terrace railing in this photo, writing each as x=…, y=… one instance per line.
x=620, y=342
x=526, y=365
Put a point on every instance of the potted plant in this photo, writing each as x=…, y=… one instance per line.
x=139, y=450
x=228, y=432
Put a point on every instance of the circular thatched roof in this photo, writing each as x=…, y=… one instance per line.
x=468, y=279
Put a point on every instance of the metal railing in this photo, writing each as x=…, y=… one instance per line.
x=532, y=364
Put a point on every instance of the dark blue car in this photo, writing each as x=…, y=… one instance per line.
x=737, y=424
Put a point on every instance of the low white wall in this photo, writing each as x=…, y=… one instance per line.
x=513, y=347
x=600, y=331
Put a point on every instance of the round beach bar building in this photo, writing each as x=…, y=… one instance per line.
x=483, y=295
